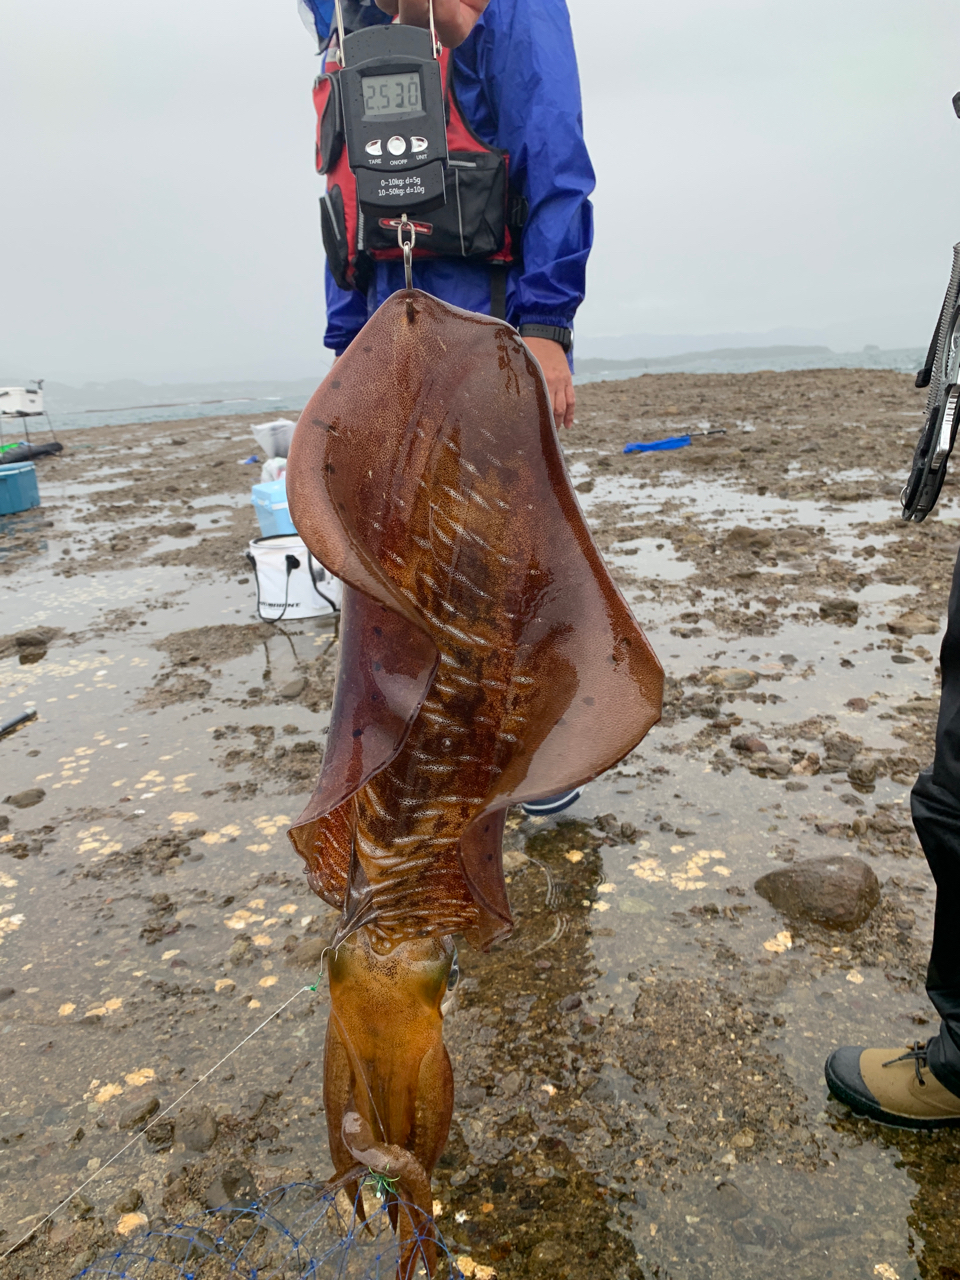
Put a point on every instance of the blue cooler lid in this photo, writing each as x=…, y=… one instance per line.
x=272, y=494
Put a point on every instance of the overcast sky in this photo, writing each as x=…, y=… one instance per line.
x=761, y=164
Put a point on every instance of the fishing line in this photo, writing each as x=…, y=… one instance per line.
x=96, y=1173
x=335, y=951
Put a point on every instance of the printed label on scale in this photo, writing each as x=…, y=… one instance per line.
x=408, y=184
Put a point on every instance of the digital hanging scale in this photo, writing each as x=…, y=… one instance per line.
x=394, y=119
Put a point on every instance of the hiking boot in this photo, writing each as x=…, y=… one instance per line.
x=551, y=804
x=891, y=1087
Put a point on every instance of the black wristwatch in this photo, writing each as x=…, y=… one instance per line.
x=552, y=331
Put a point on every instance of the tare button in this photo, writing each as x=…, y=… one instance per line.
x=418, y=144
x=374, y=148
x=396, y=145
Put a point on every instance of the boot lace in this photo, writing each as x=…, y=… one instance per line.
x=917, y=1055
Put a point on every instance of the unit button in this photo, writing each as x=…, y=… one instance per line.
x=396, y=145
x=374, y=148
x=418, y=144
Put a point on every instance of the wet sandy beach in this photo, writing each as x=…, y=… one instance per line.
x=639, y=1069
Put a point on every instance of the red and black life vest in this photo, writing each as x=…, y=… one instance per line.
x=480, y=222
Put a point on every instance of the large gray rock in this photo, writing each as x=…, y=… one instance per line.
x=744, y=742
x=732, y=677
x=743, y=538
x=25, y=799
x=135, y=1113
x=128, y=1201
x=768, y=766
x=196, y=1128
x=862, y=772
x=838, y=893
x=913, y=624
x=842, y=747
x=31, y=645
x=36, y=637
x=841, y=611
x=159, y=1135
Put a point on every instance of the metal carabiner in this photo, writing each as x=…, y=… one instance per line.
x=435, y=43
x=406, y=243
x=340, y=31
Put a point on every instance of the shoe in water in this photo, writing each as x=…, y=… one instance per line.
x=892, y=1087
x=453, y=983
x=552, y=804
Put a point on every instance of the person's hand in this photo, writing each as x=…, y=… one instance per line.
x=453, y=19
x=556, y=372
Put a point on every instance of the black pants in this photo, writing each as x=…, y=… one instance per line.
x=936, y=815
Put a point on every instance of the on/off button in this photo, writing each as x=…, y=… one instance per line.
x=396, y=145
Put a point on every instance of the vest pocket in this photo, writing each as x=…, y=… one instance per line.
x=472, y=223
x=333, y=228
x=330, y=137
x=476, y=187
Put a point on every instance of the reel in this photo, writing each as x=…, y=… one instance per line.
x=920, y=493
x=941, y=373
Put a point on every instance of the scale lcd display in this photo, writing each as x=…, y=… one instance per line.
x=391, y=95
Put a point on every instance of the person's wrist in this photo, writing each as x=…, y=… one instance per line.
x=546, y=348
x=560, y=334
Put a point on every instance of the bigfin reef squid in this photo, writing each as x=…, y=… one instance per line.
x=487, y=658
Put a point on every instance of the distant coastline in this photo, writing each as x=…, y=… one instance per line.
x=779, y=359
x=594, y=364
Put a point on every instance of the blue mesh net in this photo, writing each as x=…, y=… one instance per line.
x=298, y=1230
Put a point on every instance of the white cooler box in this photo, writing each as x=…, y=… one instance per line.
x=21, y=401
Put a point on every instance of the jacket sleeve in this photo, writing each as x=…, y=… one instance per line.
x=317, y=17
x=519, y=86
x=346, y=314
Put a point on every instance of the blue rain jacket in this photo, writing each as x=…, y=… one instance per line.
x=318, y=16
x=518, y=87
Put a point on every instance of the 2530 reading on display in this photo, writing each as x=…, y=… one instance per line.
x=391, y=95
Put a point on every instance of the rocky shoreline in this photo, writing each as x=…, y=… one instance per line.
x=638, y=1069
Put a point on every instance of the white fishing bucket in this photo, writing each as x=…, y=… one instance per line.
x=291, y=584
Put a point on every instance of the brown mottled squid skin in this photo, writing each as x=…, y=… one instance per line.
x=487, y=658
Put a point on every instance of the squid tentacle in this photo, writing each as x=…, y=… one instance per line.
x=411, y=1183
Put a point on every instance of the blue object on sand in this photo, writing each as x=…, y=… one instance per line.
x=18, y=488
x=653, y=446
x=273, y=511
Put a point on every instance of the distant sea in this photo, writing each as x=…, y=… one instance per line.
x=117, y=403
x=780, y=359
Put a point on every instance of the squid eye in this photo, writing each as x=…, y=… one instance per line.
x=453, y=977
